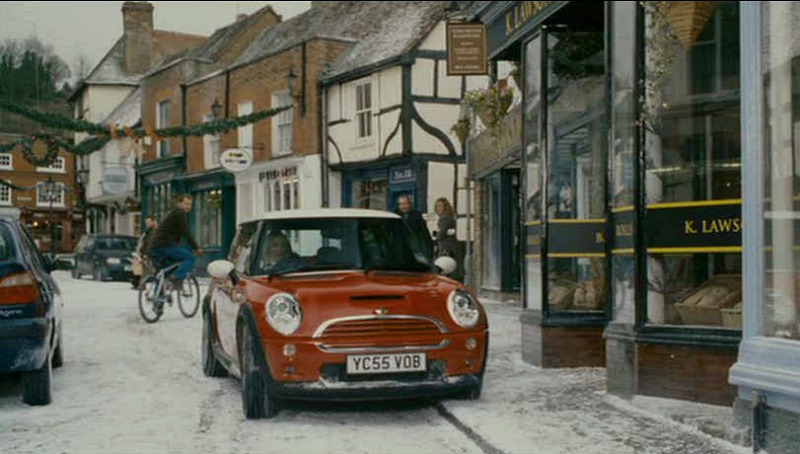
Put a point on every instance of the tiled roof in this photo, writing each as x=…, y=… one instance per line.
x=379, y=30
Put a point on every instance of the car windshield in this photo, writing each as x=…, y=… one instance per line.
x=299, y=245
x=115, y=244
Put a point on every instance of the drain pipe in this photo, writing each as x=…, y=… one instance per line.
x=323, y=142
x=757, y=420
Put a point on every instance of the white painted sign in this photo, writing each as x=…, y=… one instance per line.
x=236, y=159
x=115, y=180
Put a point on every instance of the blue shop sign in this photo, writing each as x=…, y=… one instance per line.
x=402, y=174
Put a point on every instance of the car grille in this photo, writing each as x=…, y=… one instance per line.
x=381, y=327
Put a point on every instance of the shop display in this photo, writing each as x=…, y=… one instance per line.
x=704, y=305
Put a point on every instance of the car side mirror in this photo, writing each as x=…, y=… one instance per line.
x=222, y=269
x=446, y=264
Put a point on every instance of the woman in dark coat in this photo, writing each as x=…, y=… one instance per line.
x=446, y=241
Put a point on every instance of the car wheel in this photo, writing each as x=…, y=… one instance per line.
x=37, y=385
x=211, y=365
x=58, y=354
x=256, y=401
x=473, y=392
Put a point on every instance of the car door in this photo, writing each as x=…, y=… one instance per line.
x=227, y=298
x=36, y=261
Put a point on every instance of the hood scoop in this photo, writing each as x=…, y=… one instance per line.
x=376, y=297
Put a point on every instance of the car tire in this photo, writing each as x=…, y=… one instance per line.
x=473, y=392
x=256, y=400
x=58, y=354
x=37, y=385
x=211, y=365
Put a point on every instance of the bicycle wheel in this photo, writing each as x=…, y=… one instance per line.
x=189, y=297
x=149, y=307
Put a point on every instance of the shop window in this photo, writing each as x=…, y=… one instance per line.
x=364, y=110
x=287, y=195
x=208, y=218
x=296, y=196
x=692, y=161
x=781, y=80
x=6, y=161
x=162, y=121
x=276, y=195
x=370, y=194
x=282, y=126
x=5, y=195
x=577, y=155
x=624, y=151
x=533, y=187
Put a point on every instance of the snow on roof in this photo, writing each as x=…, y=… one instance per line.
x=333, y=213
x=128, y=112
x=398, y=28
x=380, y=29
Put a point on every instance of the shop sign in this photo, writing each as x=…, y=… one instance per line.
x=402, y=174
x=623, y=230
x=534, y=238
x=115, y=180
x=694, y=227
x=576, y=238
x=516, y=18
x=236, y=159
x=466, y=49
x=277, y=174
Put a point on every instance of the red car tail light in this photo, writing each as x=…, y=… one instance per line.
x=19, y=288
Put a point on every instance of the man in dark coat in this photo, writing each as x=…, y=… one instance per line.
x=167, y=242
x=416, y=224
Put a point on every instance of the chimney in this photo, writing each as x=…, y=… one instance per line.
x=137, y=19
x=240, y=17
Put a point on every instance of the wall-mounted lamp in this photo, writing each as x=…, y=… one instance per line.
x=216, y=110
x=291, y=82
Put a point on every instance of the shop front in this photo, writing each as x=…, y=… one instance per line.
x=767, y=372
x=631, y=189
x=213, y=216
x=158, y=182
x=378, y=185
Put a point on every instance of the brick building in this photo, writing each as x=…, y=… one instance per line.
x=39, y=211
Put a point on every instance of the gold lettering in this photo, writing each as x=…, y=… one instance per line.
x=688, y=227
x=599, y=238
x=737, y=225
x=509, y=25
x=624, y=230
x=521, y=14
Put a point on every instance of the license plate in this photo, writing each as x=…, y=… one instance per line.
x=128, y=268
x=381, y=364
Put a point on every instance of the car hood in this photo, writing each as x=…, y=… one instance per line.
x=326, y=296
x=117, y=253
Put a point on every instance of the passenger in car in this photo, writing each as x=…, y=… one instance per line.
x=279, y=255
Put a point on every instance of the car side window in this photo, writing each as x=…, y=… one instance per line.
x=81, y=245
x=242, y=248
x=29, y=248
x=6, y=244
x=89, y=245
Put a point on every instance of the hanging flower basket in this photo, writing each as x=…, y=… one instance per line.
x=688, y=19
x=491, y=104
x=461, y=130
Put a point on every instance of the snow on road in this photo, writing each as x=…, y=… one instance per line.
x=130, y=387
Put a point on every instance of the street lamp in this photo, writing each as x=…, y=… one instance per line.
x=50, y=188
x=291, y=82
x=216, y=109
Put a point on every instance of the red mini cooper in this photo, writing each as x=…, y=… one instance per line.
x=339, y=304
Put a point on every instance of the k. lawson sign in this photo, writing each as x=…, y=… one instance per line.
x=517, y=17
x=713, y=226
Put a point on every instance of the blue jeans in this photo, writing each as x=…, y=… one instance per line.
x=177, y=254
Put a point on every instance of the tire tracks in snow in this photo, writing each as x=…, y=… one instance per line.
x=470, y=433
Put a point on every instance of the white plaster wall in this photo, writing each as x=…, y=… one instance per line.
x=436, y=39
x=440, y=116
x=422, y=77
x=391, y=86
x=335, y=190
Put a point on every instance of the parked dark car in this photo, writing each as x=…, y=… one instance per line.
x=31, y=311
x=105, y=256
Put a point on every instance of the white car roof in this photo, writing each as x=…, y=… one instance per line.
x=335, y=213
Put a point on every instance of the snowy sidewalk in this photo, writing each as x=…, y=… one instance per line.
x=568, y=410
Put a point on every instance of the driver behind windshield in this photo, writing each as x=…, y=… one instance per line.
x=279, y=255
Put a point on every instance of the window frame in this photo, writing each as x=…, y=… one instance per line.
x=56, y=204
x=10, y=165
x=162, y=145
x=53, y=168
x=10, y=200
x=363, y=110
x=284, y=119
x=211, y=147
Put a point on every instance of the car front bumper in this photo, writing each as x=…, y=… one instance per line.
x=23, y=344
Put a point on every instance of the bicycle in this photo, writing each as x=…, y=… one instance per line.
x=156, y=291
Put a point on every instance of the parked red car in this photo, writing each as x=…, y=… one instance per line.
x=339, y=304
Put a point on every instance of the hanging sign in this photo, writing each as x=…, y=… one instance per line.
x=236, y=159
x=115, y=180
x=466, y=49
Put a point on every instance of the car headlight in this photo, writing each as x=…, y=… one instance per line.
x=283, y=313
x=463, y=309
x=113, y=261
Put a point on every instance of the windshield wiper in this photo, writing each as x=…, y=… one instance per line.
x=306, y=268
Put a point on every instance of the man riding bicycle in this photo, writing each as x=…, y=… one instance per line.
x=166, y=244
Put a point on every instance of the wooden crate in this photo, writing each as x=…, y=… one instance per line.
x=732, y=317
